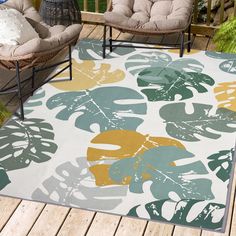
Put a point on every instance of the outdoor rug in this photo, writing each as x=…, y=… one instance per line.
x=143, y=133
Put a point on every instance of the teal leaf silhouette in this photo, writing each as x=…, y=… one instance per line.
x=209, y=215
x=164, y=83
x=189, y=127
x=229, y=66
x=109, y=107
x=25, y=141
x=220, y=55
x=166, y=176
x=222, y=162
x=91, y=49
x=4, y=180
x=34, y=101
x=138, y=62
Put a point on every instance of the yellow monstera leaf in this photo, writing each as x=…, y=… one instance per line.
x=226, y=95
x=86, y=76
x=126, y=144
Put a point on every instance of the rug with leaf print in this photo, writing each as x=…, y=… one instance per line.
x=142, y=133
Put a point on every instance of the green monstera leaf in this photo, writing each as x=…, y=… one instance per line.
x=188, y=127
x=91, y=49
x=25, y=141
x=209, y=215
x=159, y=166
x=34, y=101
x=109, y=107
x=222, y=162
x=220, y=55
x=229, y=66
x=164, y=83
x=138, y=62
x=4, y=180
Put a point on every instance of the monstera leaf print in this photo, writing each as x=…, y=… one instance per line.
x=138, y=62
x=208, y=215
x=91, y=49
x=24, y=142
x=4, y=180
x=220, y=55
x=87, y=75
x=130, y=144
x=71, y=185
x=221, y=162
x=229, y=66
x=109, y=107
x=188, y=127
x=159, y=166
x=164, y=83
x=34, y=101
x=226, y=95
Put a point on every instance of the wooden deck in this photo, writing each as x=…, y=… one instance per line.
x=20, y=217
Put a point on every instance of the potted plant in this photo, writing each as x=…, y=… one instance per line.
x=225, y=37
x=4, y=114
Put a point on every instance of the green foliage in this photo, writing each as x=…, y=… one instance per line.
x=225, y=39
x=4, y=114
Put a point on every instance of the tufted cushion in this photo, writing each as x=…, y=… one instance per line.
x=150, y=15
x=50, y=37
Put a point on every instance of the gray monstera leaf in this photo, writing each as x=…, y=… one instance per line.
x=220, y=55
x=229, y=66
x=71, y=185
x=207, y=215
x=109, y=107
x=165, y=83
x=91, y=49
x=25, y=141
x=188, y=127
x=159, y=164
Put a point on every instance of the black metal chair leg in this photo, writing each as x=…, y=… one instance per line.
x=70, y=62
x=110, y=40
x=189, y=38
x=181, y=53
x=104, y=41
x=22, y=117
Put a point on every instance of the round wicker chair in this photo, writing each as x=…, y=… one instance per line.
x=149, y=17
x=36, y=52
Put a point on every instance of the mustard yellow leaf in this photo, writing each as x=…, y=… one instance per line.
x=125, y=144
x=87, y=76
x=226, y=95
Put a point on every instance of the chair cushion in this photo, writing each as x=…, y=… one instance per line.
x=150, y=15
x=15, y=29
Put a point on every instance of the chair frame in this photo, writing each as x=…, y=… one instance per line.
x=37, y=59
x=180, y=46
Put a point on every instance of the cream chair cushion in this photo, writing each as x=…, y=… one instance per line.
x=150, y=15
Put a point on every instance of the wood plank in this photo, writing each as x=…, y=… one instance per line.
x=23, y=218
x=76, y=223
x=185, y=231
x=49, y=221
x=211, y=46
x=232, y=205
x=7, y=208
x=86, y=31
x=105, y=224
x=200, y=43
x=97, y=33
x=157, y=229
x=131, y=226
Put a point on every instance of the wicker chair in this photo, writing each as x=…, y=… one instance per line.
x=34, y=53
x=149, y=17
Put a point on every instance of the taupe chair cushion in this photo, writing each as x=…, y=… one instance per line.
x=150, y=15
x=50, y=37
